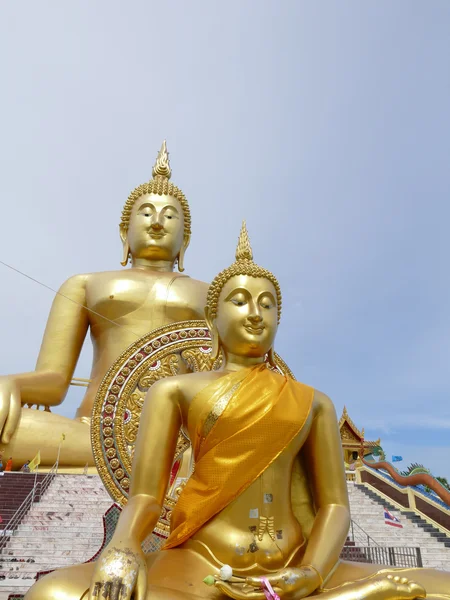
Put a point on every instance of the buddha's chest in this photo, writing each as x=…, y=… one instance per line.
x=147, y=298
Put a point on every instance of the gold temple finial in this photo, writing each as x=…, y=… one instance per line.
x=162, y=164
x=244, y=250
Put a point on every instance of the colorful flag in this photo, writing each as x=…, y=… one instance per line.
x=397, y=458
x=35, y=462
x=389, y=519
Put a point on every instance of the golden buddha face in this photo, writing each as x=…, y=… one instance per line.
x=247, y=316
x=156, y=228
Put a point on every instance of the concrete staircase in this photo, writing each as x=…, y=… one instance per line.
x=64, y=528
x=14, y=488
x=367, y=510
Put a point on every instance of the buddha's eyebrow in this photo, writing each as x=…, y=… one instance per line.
x=171, y=207
x=238, y=291
x=147, y=205
x=152, y=206
x=269, y=294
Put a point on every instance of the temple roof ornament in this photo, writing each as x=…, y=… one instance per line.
x=351, y=435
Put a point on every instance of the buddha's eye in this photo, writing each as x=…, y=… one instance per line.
x=239, y=301
x=266, y=303
x=146, y=214
x=169, y=217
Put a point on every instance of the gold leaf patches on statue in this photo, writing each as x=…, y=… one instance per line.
x=268, y=498
x=253, y=514
x=253, y=548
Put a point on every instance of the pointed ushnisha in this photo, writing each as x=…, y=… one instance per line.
x=244, y=249
x=162, y=164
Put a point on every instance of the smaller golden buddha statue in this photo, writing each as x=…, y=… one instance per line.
x=116, y=307
x=266, y=507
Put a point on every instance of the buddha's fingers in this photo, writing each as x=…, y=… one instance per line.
x=238, y=593
x=118, y=589
x=94, y=590
x=256, y=582
x=140, y=591
x=13, y=415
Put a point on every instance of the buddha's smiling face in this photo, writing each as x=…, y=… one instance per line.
x=247, y=318
x=156, y=228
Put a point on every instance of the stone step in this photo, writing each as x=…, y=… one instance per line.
x=367, y=511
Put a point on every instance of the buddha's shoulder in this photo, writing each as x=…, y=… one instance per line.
x=184, y=387
x=322, y=403
x=178, y=281
x=86, y=278
x=188, y=283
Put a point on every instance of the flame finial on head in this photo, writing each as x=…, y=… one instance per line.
x=244, y=249
x=161, y=167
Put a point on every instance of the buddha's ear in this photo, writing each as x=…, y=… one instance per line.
x=271, y=358
x=209, y=320
x=126, y=247
x=186, y=240
x=215, y=341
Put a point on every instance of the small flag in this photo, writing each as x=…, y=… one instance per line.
x=389, y=519
x=397, y=458
x=35, y=462
x=63, y=437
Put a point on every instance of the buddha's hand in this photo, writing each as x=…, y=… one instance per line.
x=10, y=408
x=119, y=573
x=289, y=583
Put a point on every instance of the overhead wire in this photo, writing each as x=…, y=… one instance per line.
x=67, y=298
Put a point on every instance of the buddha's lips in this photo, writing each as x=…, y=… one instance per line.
x=156, y=234
x=252, y=329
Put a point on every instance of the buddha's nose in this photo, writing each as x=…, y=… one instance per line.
x=255, y=317
x=156, y=225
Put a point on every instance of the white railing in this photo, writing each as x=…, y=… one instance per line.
x=350, y=475
x=35, y=495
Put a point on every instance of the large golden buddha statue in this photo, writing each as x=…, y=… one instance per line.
x=117, y=307
x=266, y=507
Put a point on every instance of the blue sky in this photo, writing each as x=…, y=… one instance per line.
x=326, y=125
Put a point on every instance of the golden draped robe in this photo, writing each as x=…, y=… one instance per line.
x=238, y=425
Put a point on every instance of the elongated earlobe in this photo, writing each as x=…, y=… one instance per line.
x=180, y=260
x=126, y=255
x=126, y=247
x=271, y=358
x=180, y=257
x=215, y=340
x=215, y=343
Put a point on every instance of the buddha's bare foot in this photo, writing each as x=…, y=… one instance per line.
x=378, y=587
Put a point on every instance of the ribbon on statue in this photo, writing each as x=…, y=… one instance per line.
x=268, y=590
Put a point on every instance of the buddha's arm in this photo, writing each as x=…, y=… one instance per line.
x=155, y=449
x=64, y=335
x=325, y=467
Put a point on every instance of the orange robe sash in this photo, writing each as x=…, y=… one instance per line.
x=238, y=426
